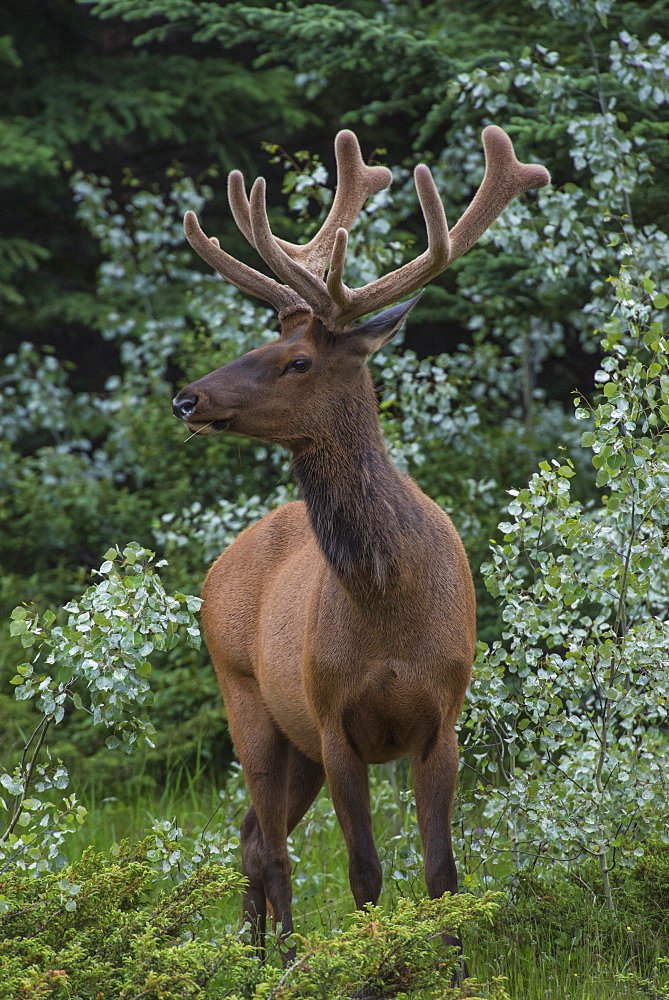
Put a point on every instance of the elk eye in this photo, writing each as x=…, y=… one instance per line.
x=300, y=364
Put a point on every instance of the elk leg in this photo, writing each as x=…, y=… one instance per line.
x=434, y=780
x=263, y=752
x=254, y=906
x=347, y=776
x=305, y=780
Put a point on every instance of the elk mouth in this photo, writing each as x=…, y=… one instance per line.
x=207, y=426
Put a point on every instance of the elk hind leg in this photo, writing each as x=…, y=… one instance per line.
x=305, y=779
x=263, y=752
x=254, y=903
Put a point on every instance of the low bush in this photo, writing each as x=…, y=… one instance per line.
x=110, y=927
x=105, y=928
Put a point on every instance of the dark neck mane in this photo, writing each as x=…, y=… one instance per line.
x=359, y=504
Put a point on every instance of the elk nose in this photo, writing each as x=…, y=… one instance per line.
x=183, y=405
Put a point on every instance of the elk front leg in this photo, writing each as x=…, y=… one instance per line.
x=434, y=779
x=347, y=776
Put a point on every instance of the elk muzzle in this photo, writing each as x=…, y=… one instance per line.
x=185, y=407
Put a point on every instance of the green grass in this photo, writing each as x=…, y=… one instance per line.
x=581, y=959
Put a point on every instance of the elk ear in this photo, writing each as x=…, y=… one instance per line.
x=377, y=331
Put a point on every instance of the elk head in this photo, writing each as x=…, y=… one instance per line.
x=279, y=391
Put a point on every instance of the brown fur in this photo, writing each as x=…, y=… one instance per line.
x=341, y=627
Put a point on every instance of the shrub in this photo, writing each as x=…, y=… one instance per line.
x=108, y=927
x=105, y=927
x=570, y=706
x=95, y=663
x=648, y=887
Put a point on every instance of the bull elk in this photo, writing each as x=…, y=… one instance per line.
x=341, y=626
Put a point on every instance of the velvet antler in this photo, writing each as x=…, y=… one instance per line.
x=356, y=182
x=246, y=278
x=505, y=178
x=301, y=267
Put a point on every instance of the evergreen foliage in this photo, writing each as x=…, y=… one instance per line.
x=99, y=928
x=111, y=926
x=78, y=94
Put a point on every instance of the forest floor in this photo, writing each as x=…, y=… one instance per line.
x=559, y=949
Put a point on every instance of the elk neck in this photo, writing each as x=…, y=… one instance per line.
x=361, y=507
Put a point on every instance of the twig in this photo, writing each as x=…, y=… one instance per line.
x=198, y=431
x=18, y=809
x=291, y=968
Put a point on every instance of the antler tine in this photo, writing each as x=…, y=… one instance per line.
x=352, y=303
x=239, y=204
x=505, y=178
x=337, y=290
x=285, y=300
x=356, y=182
x=309, y=286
